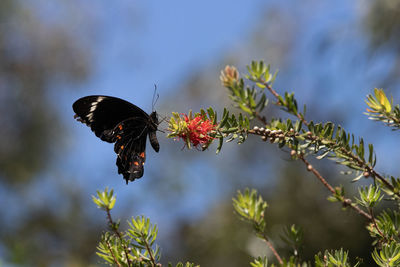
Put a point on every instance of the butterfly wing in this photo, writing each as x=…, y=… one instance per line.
x=131, y=148
x=103, y=113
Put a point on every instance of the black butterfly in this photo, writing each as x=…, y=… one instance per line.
x=117, y=121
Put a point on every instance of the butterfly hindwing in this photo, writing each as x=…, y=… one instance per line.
x=131, y=163
x=117, y=121
x=131, y=148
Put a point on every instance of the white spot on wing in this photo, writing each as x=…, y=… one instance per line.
x=94, y=107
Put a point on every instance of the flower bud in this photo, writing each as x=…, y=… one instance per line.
x=229, y=76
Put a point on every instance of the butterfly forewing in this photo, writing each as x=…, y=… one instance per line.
x=103, y=113
x=116, y=120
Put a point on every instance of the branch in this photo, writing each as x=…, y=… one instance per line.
x=345, y=201
x=274, y=93
x=343, y=150
x=272, y=249
x=115, y=230
x=153, y=261
x=112, y=253
x=371, y=212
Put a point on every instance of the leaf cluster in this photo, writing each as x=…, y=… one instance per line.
x=369, y=196
x=336, y=258
x=388, y=223
x=333, y=141
x=133, y=247
x=247, y=98
x=381, y=109
x=388, y=256
x=231, y=127
x=251, y=208
x=105, y=200
x=326, y=140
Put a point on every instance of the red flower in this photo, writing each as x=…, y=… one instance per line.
x=195, y=131
x=198, y=130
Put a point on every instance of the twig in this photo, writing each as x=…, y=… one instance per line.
x=272, y=249
x=345, y=201
x=374, y=222
x=273, y=92
x=383, y=180
x=112, y=225
x=112, y=253
x=153, y=261
x=317, y=174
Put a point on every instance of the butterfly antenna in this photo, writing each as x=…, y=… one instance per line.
x=155, y=97
x=161, y=121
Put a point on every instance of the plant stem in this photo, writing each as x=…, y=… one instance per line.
x=153, y=261
x=274, y=93
x=112, y=253
x=272, y=248
x=112, y=225
x=345, y=201
x=371, y=212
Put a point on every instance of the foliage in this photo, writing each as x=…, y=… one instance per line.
x=335, y=258
x=133, y=247
x=301, y=139
x=389, y=255
x=251, y=208
x=37, y=56
x=306, y=138
x=381, y=109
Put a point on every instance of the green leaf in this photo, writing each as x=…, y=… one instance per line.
x=371, y=154
x=225, y=117
x=245, y=108
x=326, y=153
x=220, y=143
x=358, y=177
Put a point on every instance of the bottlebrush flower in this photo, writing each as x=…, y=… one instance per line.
x=194, y=130
x=229, y=76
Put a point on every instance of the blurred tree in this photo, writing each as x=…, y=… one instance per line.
x=32, y=55
x=382, y=26
x=36, y=54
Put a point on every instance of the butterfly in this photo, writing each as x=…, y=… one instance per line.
x=115, y=120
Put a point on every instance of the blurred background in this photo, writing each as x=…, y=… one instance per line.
x=331, y=54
